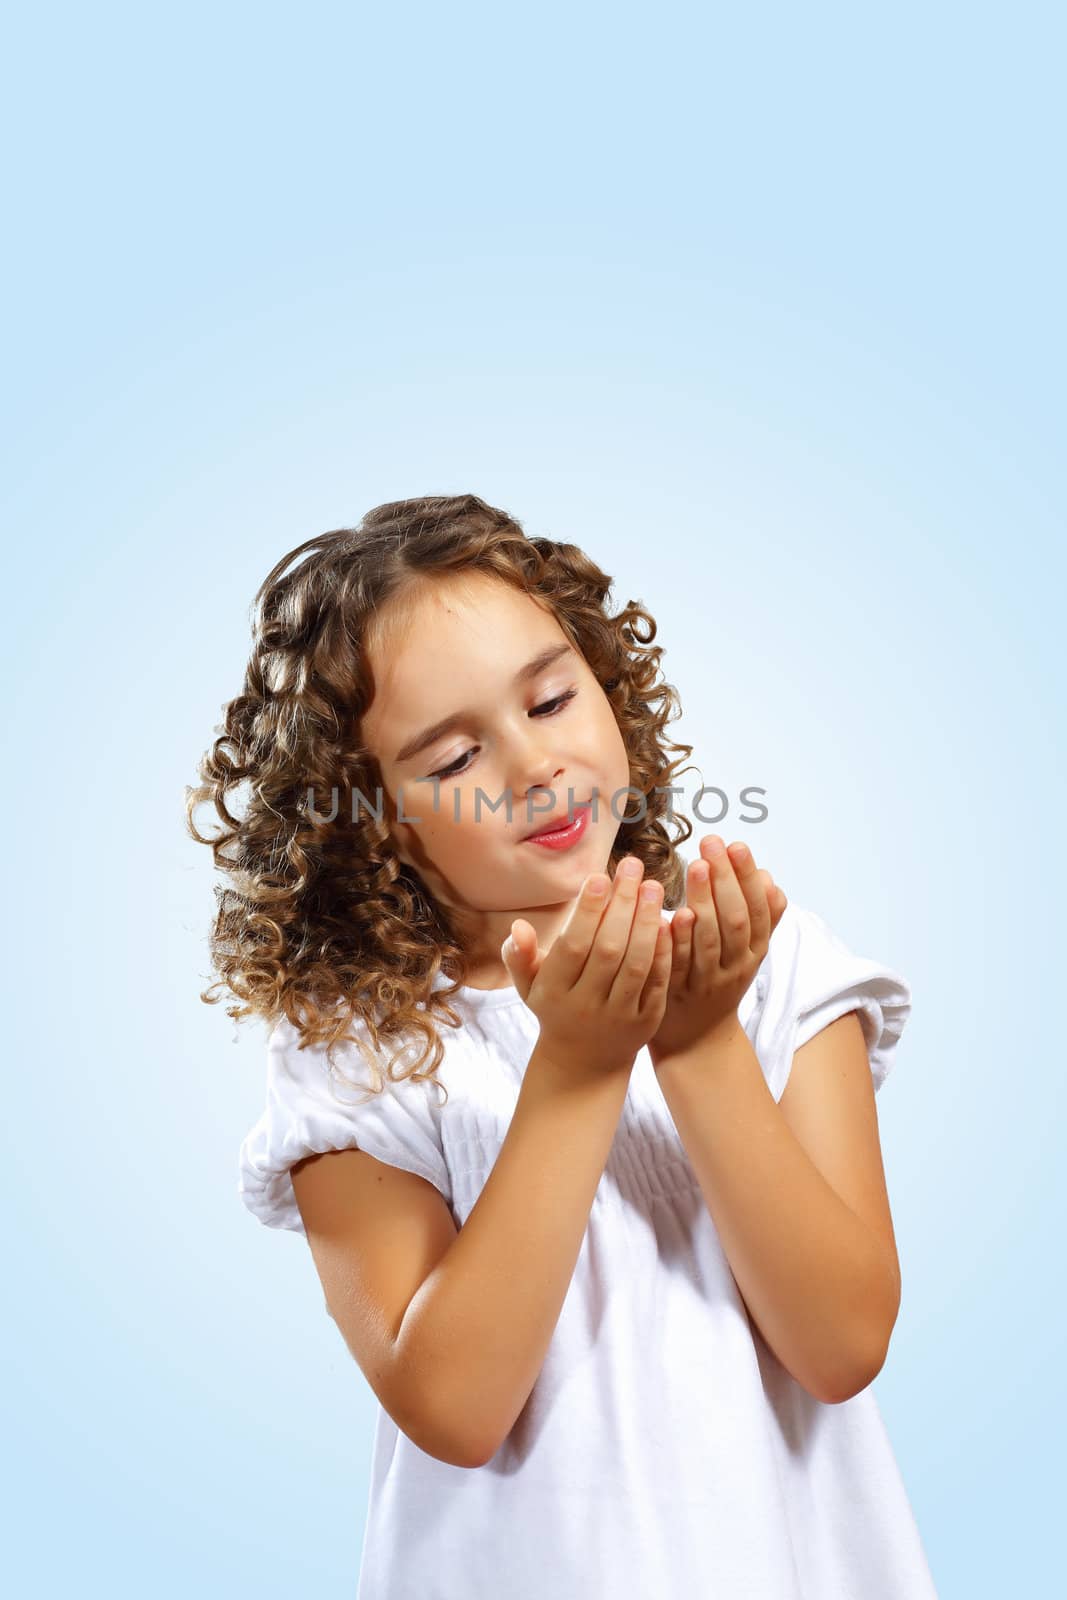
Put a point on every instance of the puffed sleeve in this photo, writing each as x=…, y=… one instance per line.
x=310, y=1110
x=810, y=977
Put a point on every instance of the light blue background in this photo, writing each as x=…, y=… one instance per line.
x=764, y=310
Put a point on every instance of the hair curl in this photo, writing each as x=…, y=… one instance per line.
x=321, y=922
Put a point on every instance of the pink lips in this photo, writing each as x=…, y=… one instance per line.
x=561, y=837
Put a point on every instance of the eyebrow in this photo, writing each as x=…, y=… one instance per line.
x=532, y=669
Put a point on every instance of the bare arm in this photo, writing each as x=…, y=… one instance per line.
x=797, y=1193
x=475, y=1334
x=451, y=1329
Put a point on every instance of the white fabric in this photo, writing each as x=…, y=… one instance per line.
x=664, y=1449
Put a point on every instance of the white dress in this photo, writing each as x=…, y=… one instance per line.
x=664, y=1449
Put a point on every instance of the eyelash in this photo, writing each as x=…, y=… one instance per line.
x=559, y=701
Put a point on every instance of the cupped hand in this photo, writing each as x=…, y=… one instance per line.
x=719, y=939
x=601, y=989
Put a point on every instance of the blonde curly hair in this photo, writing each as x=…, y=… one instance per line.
x=320, y=921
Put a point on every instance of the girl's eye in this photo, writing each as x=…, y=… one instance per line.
x=548, y=708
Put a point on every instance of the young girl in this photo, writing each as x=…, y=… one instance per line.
x=597, y=1202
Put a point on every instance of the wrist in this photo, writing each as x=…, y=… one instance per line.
x=714, y=1039
x=568, y=1068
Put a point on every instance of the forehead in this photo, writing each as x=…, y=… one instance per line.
x=451, y=635
x=438, y=613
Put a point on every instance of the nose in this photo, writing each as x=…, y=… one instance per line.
x=533, y=771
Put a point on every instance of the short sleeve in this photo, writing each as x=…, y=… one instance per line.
x=310, y=1110
x=810, y=978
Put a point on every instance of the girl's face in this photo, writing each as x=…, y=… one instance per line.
x=529, y=744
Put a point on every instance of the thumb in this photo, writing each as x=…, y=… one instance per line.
x=519, y=952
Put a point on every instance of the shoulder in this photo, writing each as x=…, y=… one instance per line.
x=813, y=975
x=354, y=1059
x=817, y=960
x=297, y=1067
x=315, y=1105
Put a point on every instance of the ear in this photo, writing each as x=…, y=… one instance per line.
x=398, y=835
x=408, y=845
x=406, y=840
x=404, y=835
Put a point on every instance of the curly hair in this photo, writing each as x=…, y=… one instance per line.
x=320, y=921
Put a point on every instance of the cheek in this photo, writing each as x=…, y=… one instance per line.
x=456, y=842
x=617, y=745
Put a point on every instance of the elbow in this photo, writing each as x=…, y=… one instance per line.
x=478, y=1458
x=440, y=1440
x=849, y=1381
x=868, y=1349
x=456, y=1457
x=439, y=1436
x=444, y=1405
x=458, y=1445
x=423, y=1412
x=458, y=1451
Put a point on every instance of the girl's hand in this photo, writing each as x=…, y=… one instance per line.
x=720, y=937
x=601, y=990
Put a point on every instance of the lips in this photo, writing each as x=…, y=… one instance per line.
x=562, y=819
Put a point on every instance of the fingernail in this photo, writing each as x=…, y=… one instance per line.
x=631, y=868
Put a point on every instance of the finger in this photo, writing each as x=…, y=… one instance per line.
x=778, y=904
x=523, y=936
x=754, y=890
x=682, y=926
x=630, y=980
x=734, y=931
x=518, y=952
x=658, y=982
x=613, y=934
x=707, y=951
x=776, y=900
x=569, y=953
